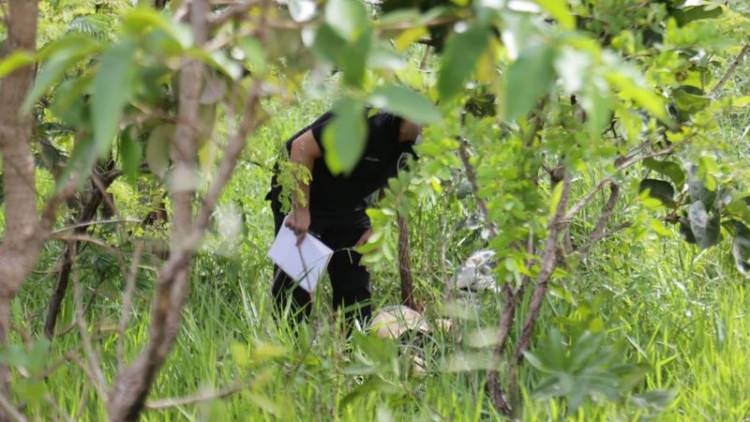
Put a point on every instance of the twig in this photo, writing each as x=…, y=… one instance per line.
x=126, y=303
x=98, y=375
x=549, y=262
x=730, y=71
x=198, y=398
x=229, y=13
x=604, y=217
x=10, y=410
x=625, y=163
x=471, y=174
x=95, y=223
x=57, y=408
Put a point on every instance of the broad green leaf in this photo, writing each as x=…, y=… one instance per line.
x=633, y=90
x=113, y=87
x=344, y=137
x=559, y=10
x=687, y=14
x=354, y=60
x=255, y=55
x=462, y=53
x=131, y=154
x=140, y=20
x=349, y=18
x=740, y=208
x=705, y=226
x=598, y=105
x=14, y=61
x=408, y=37
x=327, y=44
x=667, y=168
x=698, y=190
x=527, y=79
x=372, y=384
x=61, y=55
x=157, y=149
x=406, y=103
x=658, y=189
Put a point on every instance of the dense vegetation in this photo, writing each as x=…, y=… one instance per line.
x=595, y=151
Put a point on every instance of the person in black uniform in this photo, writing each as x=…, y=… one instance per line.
x=335, y=209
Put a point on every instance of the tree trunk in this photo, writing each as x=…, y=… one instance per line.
x=86, y=215
x=404, y=267
x=21, y=244
x=129, y=392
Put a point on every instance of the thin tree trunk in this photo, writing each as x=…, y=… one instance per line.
x=20, y=246
x=71, y=249
x=404, y=267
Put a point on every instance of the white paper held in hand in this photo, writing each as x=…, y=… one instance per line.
x=304, y=263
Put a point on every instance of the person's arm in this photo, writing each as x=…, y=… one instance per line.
x=304, y=151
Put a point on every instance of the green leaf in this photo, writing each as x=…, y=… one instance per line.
x=140, y=20
x=598, y=105
x=527, y=79
x=327, y=44
x=131, y=154
x=462, y=52
x=688, y=100
x=559, y=10
x=349, y=18
x=705, y=226
x=739, y=208
x=61, y=55
x=113, y=87
x=371, y=385
x=344, y=137
x=15, y=61
x=687, y=14
x=354, y=60
x=653, y=399
x=406, y=103
x=667, y=168
x=697, y=189
x=157, y=149
x=255, y=55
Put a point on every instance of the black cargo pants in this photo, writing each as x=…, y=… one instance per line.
x=349, y=278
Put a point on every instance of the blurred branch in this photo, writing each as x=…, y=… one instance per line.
x=730, y=71
x=127, y=301
x=88, y=348
x=10, y=411
x=198, y=398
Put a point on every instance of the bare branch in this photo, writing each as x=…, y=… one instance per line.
x=126, y=303
x=10, y=411
x=198, y=398
x=91, y=355
x=471, y=174
x=732, y=68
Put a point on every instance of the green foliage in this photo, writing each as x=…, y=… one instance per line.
x=344, y=137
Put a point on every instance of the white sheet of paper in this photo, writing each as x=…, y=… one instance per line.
x=304, y=263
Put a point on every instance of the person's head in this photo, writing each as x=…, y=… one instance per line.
x=409, y=131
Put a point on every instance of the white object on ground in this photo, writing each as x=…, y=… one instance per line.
x=393, y=321
x=304, y=263
x=477, y=272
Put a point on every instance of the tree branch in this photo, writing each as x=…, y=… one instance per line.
x=732, y=68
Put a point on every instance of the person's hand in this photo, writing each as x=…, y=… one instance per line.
x=299, y=222
x=365, y=237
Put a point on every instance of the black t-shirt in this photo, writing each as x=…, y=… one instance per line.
x=344, y=196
